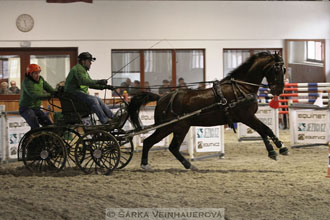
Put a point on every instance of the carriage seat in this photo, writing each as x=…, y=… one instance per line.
x=73, y=110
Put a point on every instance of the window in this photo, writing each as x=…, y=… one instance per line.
x=10, y=75
x=55, y=65
x=156, y=67
x=190, y=66
x=314, y=51
x=232, y=58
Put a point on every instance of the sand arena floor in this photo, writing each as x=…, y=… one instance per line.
x=246, y=183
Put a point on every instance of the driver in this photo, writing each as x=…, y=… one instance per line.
x=78, y=82
x=34, y=89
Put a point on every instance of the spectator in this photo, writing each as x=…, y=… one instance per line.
x=4, y=89
x=128, y=84
x=135, y=89
x=182, y=84
x=13, y=88
x=119, y=90
x=165, y=88
x=147, y=86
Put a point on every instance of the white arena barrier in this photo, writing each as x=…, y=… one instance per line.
x=268, y=115
x=147, y=118
x=3, y=133
x=12, y=129
x=204, y=139
x=16, y=128
x=309, y=125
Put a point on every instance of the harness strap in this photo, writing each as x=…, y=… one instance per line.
x=223, y=102
x=171, y=103
x=218, y=93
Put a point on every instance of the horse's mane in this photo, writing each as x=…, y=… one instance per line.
x=244, y=67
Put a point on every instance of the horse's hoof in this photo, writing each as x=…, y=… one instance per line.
x=146, y=167
x=193, y=168
x=272, y=155
x=284, y=151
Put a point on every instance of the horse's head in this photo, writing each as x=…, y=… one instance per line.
x=274, y=71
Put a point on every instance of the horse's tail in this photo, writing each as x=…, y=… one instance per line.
x=135, y=104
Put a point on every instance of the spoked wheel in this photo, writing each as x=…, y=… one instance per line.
x=44, y=152
x=126, y=148
x=25, y=139
x=70, y=138
x=97, y=151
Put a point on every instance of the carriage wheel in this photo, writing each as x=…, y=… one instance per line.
x=70, y=138
x=44, y=152
x=25, y=139
x=126, y=148
x=97, y=151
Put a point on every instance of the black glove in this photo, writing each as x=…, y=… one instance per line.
x=102, y=82
x=109, y=87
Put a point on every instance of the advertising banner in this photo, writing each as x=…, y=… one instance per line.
x=2, y=132
x=309, y=126
x=17, y=127
x=147, y=118
x=208, y=139
x=266, y=114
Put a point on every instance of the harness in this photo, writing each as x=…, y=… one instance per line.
x=239, y=99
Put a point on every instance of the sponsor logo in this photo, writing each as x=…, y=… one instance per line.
x=312, y=116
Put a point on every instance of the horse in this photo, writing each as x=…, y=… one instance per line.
x=233, y=99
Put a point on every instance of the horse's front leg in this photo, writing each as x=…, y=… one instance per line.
x=266, y=132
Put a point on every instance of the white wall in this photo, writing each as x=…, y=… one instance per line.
x=213, y=25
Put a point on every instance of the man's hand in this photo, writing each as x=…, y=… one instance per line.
x=102, y=82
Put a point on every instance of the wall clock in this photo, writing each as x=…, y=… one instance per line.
x=24, y=22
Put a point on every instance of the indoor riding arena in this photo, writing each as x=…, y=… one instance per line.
x=246, y=183
x=165, y=109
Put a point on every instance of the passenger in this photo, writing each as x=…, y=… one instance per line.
x=34, y=89
x=13, y=88
x=78, y=81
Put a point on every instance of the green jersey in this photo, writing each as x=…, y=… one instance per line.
x=33, y=92
x=79, y=80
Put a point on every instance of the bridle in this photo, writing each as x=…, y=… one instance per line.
x=277, y=67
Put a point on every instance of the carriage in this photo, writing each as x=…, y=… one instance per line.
x=76, y=139
x=103, y=148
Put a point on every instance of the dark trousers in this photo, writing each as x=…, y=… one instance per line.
x=97, y=105
x=34, y=117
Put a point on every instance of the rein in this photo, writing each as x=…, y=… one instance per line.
x=248, y=83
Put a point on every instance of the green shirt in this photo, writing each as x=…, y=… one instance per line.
x=79, y=80
x=33, y=92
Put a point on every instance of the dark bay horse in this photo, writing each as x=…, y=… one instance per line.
x=233, y=99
